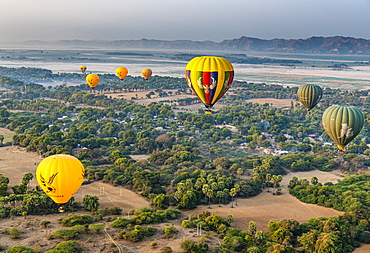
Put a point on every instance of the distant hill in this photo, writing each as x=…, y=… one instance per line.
x=313, y=45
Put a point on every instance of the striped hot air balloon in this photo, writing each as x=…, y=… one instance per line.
x=309, y=95
x=209, y=77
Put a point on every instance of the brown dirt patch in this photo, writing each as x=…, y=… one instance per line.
x=139, y=157
x=278, y=103
x=15, y=161
x=5, y=131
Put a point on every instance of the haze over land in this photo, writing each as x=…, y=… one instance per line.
x=181, y=20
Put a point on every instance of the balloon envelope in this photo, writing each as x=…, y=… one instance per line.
x=146, y=73
x=342, y=123
x=209, y=77
x=83, y=69
x=121, y=72
x=92, y=80
x=60, y=177
x=309, y=95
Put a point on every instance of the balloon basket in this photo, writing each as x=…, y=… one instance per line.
x=61, y=209
x=341, y=151
x=208, y=112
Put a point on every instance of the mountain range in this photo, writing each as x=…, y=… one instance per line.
x=312, y=45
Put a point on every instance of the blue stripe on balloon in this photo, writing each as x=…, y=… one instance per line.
x=214, y=76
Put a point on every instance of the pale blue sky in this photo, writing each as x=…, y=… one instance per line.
x=181, y=19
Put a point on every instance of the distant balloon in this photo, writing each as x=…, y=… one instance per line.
x=342, y=124
x=146, y=73
x=83, y=69
x=92, y=80
x=121, y=72
x=60, y=177
x=209, y=77
x=309, y=95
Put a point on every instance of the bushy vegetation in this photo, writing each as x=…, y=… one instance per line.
x=66, y=247
x=146, y=216
x=138, y=233
x=73, y=220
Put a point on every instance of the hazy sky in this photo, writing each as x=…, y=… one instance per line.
x=181, y=19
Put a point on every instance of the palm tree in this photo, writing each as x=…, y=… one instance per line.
x=237, y=189
x=205, y=190
x=274, y=180
x=268, y=178
x=209, y=194
x=219, y=195
x=232, y=194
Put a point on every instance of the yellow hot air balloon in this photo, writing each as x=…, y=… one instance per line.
x=209, y=77
x=121, y=72
x=146, y=73
x=83, y=69
x=92, y=80
x=60, y=177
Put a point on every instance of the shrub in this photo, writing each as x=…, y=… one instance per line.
x=121, y=223
x=186, y=224
x=146, y=216
x=45, y=223
x=138, y=233
x=14, y=232
x=73, y=220
x=97, y=228
x=65, y=247
x=166, y=249
x=65, y=234
x=80, y=228
x=169, y=230
x=22, y=249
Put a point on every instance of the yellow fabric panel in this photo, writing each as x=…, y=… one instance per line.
x=196, y=67
x=221, y=77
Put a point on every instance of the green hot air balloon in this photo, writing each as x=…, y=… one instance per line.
x=309, y=95
x=342, y=124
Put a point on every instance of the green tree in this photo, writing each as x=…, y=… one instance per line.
x=27, y=178
x=91, y=203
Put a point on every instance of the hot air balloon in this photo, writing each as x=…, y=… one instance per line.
x=146, y=73
x=121, y=72
x=209, y=77
x=92, y=80
x=342, y=124
x=60, y=177
x=309, y=95
x=83, y=69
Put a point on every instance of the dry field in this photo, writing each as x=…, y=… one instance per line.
x=278, y=103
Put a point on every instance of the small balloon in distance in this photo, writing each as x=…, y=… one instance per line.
x=92, y=80
x=121, y=72
x=83, y=69
x=309, y=95
x=146, y=73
